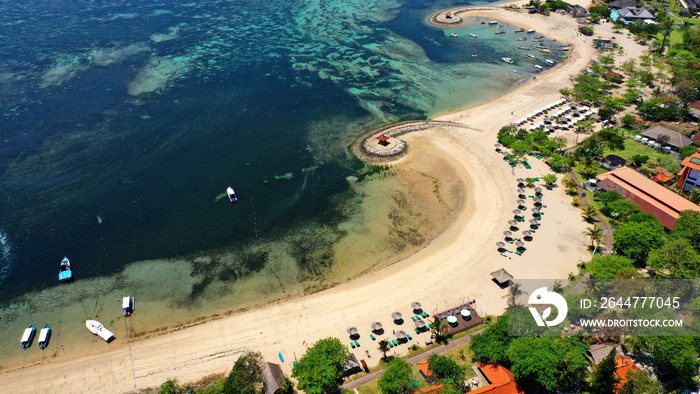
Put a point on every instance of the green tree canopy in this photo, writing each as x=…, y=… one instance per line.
x=677, y=355
x=548, y=362
x=638, y=382
x=635, y=240
x=604, y=378
x=491, y=345
x=447, y=371
x=320, y=369
x=621, y=209
x=246, y=376
x=611, y=267
x=678, y=257
x=397, y=378
x=688, y=226
x=608, y=196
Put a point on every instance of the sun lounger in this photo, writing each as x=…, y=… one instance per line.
x=352, y=344
x=413, y=318
x=425, y=314
x=417, y=332
x=409, y=337
x=357, y=344
x=372, y=336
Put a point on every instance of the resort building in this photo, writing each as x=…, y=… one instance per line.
x=667, y=137
x=689, y=177
x=631, y=14
x=619, y=4
x=651, y=197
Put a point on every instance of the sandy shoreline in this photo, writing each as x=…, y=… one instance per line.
x=453, y=267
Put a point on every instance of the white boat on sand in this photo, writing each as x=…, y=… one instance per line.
x=99, y=329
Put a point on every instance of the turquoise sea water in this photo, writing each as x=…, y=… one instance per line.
x=123, y=122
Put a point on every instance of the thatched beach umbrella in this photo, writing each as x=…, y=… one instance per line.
x=396, y=316
x=538, y=189
x=420, y=323
x=520, y=180
x=519, y=244
x=352, y=331
x=376, y=326
x=527, y=233
x=517, y=211
x=507, y=233
x=501, y=245
x=535, y=210
x=513, y=223
x=501, y=276
x=521, y=191
x=401, y=334
x=416, y=305
x=521, y=202
x=537, y=199
x=533, y=221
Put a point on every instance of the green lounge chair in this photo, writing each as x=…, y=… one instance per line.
x=372, y=336
x=417, y=332
x=425, y=314
x=357, y=344
x=413, y=318
x=352, y=344
x=409, y=337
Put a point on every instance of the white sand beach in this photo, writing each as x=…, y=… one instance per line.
x=456, y=265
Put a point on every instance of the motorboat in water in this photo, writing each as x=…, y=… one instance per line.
x=521, y=39
x=519, y=30
x=530, y=31
x=524, y=48
x=99, y=329
x=493, y=23
x=538, y=67
x=550, y=63
x=454, y=35
x=27, y=336
x=44, y=336
x=231, y=195
x=545, y=51
x=531, y=56
x=507, y=60
x=473, y=35
x=500, y=32
x=65, y=274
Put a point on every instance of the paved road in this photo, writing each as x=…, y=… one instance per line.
x=413, y=360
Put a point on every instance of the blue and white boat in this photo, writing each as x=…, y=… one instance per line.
x=530, y=31
x=28, y=336
x=493, y=22
x=231, y=195
x=538, y=67
x=550, y=63
x=128, y=305
x=507, y=60
x=524, y=48
x=534, y=57
x=65, y=274
x=44, y=336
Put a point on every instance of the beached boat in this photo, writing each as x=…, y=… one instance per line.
x=500, y=32
x=539, y=36
x=562, y=57
x=65, y=274
x=27, y=336
x=521, y=39
x=99, y=329
x=564, y=45
x=545, y=51
x=493, y=22
x=231, y=195
x=538, y=67
x=472, y=34
x=507, y=60
x=524, y=48
x=454, y=35
x=540, y=46
x=530, y=31
x=537, y=40
x=44, y=336
x=519, y=30
x=531, y=56
x=564, y=49
x=550, y=63
x=128, y=305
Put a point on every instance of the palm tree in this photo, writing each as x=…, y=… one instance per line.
x=513, y=293
x=589, y=213
x=595, y=233
x=667, y=26
x=383, y=347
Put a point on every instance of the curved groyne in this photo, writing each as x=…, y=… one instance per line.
x=370, y=149
x=441, y=18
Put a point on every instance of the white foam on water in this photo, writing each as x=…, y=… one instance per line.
x=5, y=255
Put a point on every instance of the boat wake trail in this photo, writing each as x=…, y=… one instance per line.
x=5, y=255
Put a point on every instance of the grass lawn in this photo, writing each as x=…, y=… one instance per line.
x=633, y=148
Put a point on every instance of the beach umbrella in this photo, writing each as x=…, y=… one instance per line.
x=465, y=312
x=535, y=210
x=538, y=189
x=396, y=316
x=533, y=221
x=521, y=202
x=415, y=305
x=507, y=233
x=500, y=244
x=519, y=244
x=520, y=180
x=420, y=323
x=401, y=334
x=513, y=223
x=527, y=233
x=452, y=319
x=517, y=211
x=376, y=326
x=497, y=144
x=352, y=331
x=521, y=191
x=537, y=199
